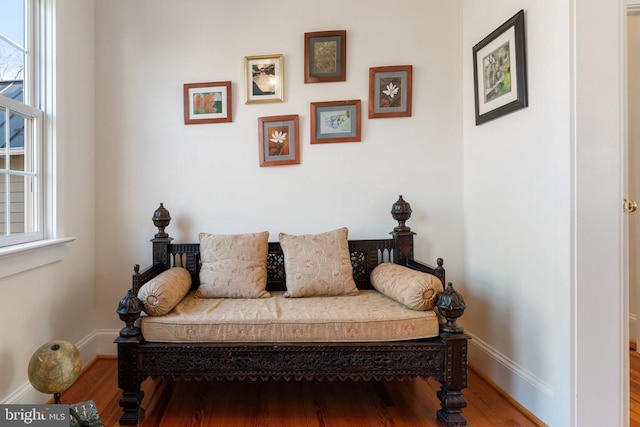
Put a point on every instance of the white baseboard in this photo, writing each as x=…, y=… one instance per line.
x=25, y=394
x=98, y=342
x=524, y=387
x=105, y=338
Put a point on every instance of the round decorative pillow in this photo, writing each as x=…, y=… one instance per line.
x=415, y=289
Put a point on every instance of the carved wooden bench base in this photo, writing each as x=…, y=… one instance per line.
x=312, y=361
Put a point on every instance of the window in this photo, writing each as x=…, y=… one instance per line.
x=21, y=125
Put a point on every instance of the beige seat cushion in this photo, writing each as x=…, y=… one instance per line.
x=415, y=289
x=369, y=316
x=233, y=265
x=318, y=264
x=161, y=294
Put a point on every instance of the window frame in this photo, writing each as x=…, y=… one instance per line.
x=37, y=207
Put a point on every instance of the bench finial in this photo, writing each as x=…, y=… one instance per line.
x=451, y=305
x=129, y=309
x=401, y=212
x=161, y=219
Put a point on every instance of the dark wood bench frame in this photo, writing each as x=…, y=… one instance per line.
x=443, y=357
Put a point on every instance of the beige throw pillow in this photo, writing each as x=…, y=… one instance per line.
x=415, y=289
x=318, y=265
x=160, y=294
x=233, y=265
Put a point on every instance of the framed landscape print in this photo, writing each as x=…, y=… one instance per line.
x=325, y=56
x=390, y=91
x=500, y=71
x=279, y=142
x=336, y=121
x=207, y=102
x=264, y=78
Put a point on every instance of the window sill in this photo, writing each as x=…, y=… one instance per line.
x=18, y=258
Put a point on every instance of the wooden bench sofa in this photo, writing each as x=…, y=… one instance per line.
x=443, y=356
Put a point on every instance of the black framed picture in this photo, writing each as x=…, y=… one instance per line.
x=500, y=71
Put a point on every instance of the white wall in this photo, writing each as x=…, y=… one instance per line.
x=542, y=216
x=57, y=301
x=516, y=207
x=208, y=175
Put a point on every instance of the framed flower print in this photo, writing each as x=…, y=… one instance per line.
x=279, y=142
x=390, y=91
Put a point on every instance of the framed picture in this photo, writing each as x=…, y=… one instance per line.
x=207, y=102
x=279, y=140
x=336, y=121
x=264, y=78
x=500, y=71
x=325, y=56
x=390, y=91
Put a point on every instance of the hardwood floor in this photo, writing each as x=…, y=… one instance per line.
x=634, y=388
x=290, y=404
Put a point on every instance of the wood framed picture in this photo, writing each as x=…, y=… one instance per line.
x=336, y=121
x=390, y=91
x=325, y=56
x=279, y=141
x=264, y=78
x=500, y=71
x=207, y=102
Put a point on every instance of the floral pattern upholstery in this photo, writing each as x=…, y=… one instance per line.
x=415, y=289
x=233, y=265
x=160, y=294
x=318, y=264
x=369, y=316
